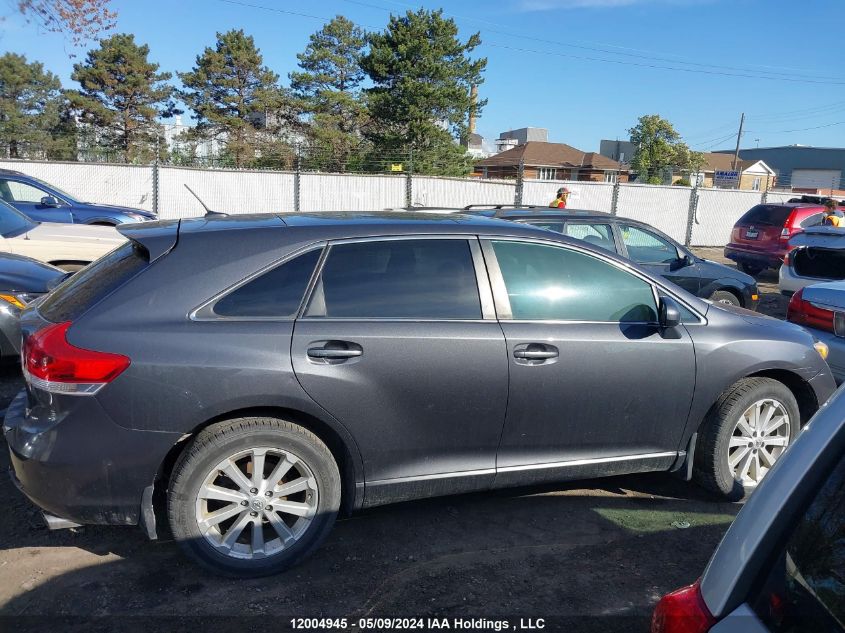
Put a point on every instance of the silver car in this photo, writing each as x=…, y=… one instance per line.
x=781, y=565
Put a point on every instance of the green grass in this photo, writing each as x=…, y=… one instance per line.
x=650, y=521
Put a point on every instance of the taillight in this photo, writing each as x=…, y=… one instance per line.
x=786, y=259
x=52, y=364
x=682, y=611
x=787, y=233
x=805, y=313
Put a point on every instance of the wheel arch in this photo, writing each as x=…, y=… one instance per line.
x=341, y=446
x=805, y=396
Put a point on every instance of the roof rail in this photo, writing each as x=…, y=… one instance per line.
x=501, y=206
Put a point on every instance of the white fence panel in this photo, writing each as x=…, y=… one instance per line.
x=231, y=191
x=350, y=192
x=780, y=197
x=457, y=192
x=717, y=212
x=125, y=185
x=666, y=208
x=592, y=196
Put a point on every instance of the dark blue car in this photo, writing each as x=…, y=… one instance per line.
x=46, y=203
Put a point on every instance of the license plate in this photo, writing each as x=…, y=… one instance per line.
x=839, y=324
x=752, y=234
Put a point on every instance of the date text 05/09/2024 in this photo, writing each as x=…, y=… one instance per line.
x=418, y=624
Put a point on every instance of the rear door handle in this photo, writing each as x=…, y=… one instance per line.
x=535, y=352
x=334, y=351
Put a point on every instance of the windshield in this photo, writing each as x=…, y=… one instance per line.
x=12, y=221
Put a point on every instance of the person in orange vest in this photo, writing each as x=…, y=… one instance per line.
x=560, y=201
x=830, y=217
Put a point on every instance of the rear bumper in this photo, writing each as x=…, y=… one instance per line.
x=82, y=467
x=739, y=254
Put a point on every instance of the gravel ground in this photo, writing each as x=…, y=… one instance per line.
x=592, y=555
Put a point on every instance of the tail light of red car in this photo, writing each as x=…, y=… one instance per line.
x=52, y=364
x=682, y=611
x=804, y=313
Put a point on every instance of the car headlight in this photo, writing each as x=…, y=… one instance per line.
x=17, y=299
x=822, y=349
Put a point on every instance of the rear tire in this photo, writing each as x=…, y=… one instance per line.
x=725, y=296
x=744, y=433
x=751, y=269
x=241, y=522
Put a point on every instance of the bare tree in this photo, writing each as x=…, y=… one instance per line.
x=80, y=20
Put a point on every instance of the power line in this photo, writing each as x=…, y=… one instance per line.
x=602, y=46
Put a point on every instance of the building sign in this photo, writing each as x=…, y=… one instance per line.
x=726, y=178
x=396, y=167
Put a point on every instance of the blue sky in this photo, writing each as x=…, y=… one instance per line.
x=584, y=69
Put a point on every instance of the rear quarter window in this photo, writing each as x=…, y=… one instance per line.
x=91, y=284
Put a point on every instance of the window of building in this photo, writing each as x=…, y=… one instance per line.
x=611, y=176
x=755, y=185
x=546, y=173
x=398, y=279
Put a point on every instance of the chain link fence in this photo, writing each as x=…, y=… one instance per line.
x=694, y=216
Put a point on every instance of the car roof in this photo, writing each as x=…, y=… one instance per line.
x=541, y=212
x=361, y=223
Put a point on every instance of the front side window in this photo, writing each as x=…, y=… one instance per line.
x=22, y=192
x=645, y=247
x=545, y=282
x=805, y=589
x=398, y=279
x=12, y=221
x=275, y=293
x=596, y=234
x=549, y=225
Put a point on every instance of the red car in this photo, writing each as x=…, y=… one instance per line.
x=760, y=239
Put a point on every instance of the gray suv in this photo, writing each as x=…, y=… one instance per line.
x=243, y=379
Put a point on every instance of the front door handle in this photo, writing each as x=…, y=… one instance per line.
x=321, y=352
x=333, y=351
x=535, y=352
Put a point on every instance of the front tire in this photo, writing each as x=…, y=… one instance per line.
x=253, y=496
x=726, y=297
x=744, y=434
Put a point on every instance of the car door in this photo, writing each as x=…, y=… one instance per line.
x=660, y=256
x=596, y=387
x=27, y=198
x=399, y=341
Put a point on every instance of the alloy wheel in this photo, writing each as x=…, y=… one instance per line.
x=759, y=438
x=256, y=503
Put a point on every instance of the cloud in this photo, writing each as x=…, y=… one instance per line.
x=548, y=5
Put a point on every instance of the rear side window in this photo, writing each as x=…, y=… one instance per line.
x=91, y=284
x=549, y=225
x=398, y=279
x=805, y=590
x=276, y=293
x=596, y=234
x=553, y=283
x=766, y=215
x=812, y=220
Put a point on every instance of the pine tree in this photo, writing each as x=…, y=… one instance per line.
x=422, y=76
x=30, y=103
x=330, y=87
x=122, y=95
x=237, y=100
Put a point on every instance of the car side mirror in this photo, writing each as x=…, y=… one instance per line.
x=50, y=201
x=669, y=313
x=681, y=262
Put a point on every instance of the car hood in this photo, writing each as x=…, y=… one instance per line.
x=727, y=272
x=830, y=295
x=79, y=233
x=824, y=236
x=754, y=318
x=27, y=275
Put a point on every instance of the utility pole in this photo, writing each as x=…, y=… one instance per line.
x=738, y=138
